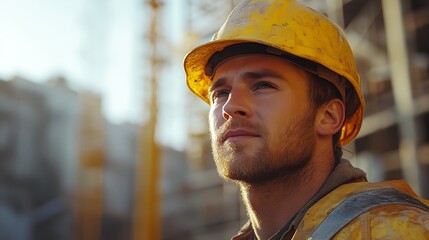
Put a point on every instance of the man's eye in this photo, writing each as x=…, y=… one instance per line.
x=220, y=94
x=264, y=85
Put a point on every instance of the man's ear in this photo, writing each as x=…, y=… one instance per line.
x=330, y=117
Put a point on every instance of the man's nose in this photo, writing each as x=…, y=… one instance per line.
x=237, y=105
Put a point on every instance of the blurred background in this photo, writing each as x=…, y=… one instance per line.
x=101, y=139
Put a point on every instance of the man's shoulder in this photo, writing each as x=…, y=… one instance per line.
x=362, y=207
x=408, y=219
x=388, y=222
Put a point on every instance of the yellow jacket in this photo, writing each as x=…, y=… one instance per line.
x=388, y=221
x=349, y=207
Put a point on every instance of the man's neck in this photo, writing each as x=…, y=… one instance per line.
x=271, y=205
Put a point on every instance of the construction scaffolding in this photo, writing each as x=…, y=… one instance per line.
x=389, y=59
x=146, y=219
x=90, y=169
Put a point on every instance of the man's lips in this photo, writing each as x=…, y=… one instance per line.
x=238, y=134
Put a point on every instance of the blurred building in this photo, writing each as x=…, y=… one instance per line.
x=202, y=206
x=65, y=172
x=37, y=157
x=119, y=176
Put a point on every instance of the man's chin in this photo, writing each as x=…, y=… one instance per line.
x=258, y=175
x=240, y=176
x=234, y=178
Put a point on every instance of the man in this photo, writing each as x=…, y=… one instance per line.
x=284, y=98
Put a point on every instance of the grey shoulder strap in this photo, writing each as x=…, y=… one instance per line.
x=358, y=204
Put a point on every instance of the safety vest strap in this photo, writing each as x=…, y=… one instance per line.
x=358, y=204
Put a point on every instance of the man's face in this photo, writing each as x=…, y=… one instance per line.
x=261, y=122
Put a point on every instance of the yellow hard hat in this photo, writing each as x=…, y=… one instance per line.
x=301, y=34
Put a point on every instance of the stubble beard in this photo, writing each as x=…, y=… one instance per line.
x=279, y=156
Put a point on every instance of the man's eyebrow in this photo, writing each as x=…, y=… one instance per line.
x=218, y=83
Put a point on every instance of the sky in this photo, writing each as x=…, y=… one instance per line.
x=97, y=45
x=34, y=37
